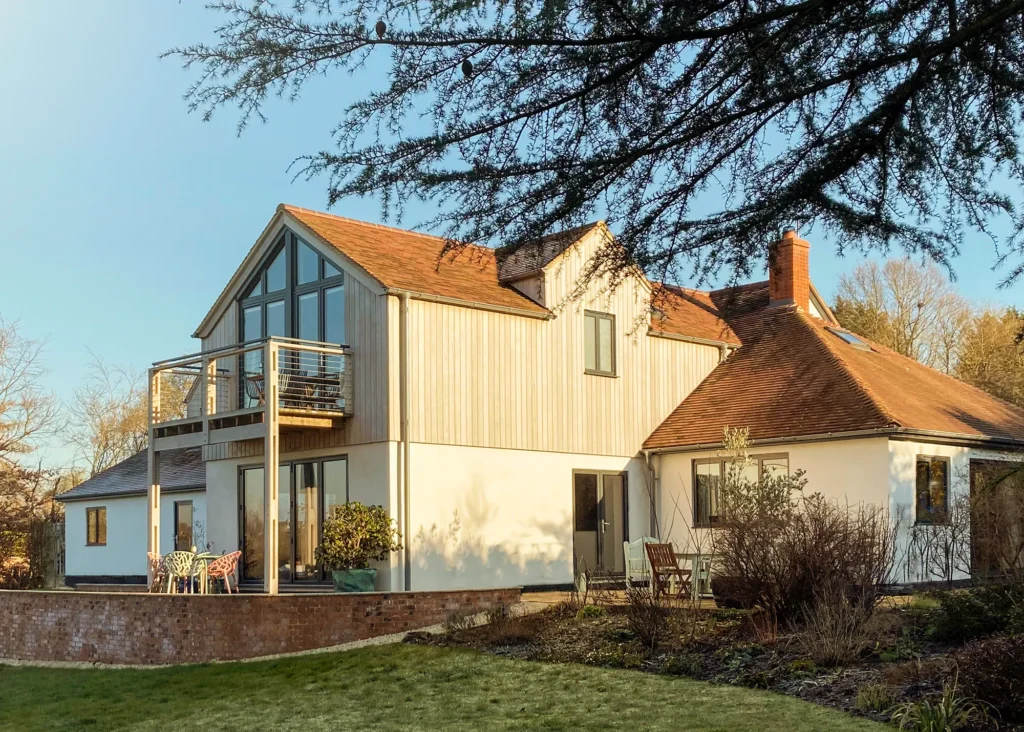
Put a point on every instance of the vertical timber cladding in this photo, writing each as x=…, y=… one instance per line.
x=489, y=379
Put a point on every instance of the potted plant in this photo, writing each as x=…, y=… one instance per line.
x=353, y=536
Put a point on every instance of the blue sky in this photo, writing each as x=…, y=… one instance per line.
x=124, y=215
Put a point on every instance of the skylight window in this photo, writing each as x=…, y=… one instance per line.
x=850, y=338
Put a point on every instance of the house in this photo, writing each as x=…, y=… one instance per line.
x=516, y=426
x=116, y=498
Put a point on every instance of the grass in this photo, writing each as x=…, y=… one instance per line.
x=398, y=687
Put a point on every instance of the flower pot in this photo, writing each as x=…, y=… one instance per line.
x=354, y=580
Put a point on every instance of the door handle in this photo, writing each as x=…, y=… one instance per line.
x=604, y=526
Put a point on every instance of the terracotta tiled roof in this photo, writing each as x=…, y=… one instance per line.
x=532, y=258
x=180, y=470
x=689, y=313
x=793, y=377
x=408, y=260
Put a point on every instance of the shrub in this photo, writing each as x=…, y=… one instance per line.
x=918, y=671
x=354, y=535
x=645, y=616
x=779, y=548
x=952, y=712
x=964, y=615
x=505, y=626
x=454, y=622
x=993, y=670
x=833, y=630
x=875, y=698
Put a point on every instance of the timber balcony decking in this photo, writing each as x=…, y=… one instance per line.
x=234, y=393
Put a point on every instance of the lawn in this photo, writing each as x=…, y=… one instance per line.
x=392, y=688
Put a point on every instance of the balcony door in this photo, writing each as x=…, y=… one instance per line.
x=308, y=492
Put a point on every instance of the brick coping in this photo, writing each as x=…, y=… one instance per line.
x=289, y=595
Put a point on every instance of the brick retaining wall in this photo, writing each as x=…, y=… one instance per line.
x=158, y=629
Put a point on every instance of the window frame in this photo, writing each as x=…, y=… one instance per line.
x=321, y=495
x=192, y=524
x=99, y=512
x=597, y=370
x=932, y=518
x=289, y=242
x=760, y=458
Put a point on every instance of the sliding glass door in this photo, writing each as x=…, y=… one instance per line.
x=308, y=492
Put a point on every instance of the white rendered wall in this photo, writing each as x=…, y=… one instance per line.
x=903, y=488
x=851, y=471
x=127, y=520
x=492, y=517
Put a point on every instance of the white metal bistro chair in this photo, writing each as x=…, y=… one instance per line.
x=638, y=566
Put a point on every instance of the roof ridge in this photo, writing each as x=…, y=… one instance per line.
x=371, y=224
x=433, y=237
x=836, y=355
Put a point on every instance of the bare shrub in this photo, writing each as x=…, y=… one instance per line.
x=645, y=616
x=781, y=547
x=456, y=621
x=765, y=626
x=942, y=550
x=834, y=627
x=917, y=671
x=507, y=626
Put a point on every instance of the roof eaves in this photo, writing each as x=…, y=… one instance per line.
x=70, y=495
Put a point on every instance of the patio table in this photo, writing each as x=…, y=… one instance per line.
x=205, y=558
x=700, y=572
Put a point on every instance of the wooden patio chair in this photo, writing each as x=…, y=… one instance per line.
x=665, y=570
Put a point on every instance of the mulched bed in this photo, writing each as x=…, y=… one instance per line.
x=721, y=646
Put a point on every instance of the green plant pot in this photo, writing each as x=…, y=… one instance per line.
x=354, y=580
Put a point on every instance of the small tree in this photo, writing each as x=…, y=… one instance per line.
x=783, y=549
x=354, y=535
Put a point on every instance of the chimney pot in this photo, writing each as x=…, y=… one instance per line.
x=789, y=279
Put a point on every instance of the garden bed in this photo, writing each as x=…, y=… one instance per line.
x=902, y=658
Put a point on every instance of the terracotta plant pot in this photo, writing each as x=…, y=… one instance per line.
x=354, y=580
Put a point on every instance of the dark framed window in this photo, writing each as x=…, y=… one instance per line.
x=183, y=533
x=295, y=293
x=96, y=526
x=708, y=474
x=599, y=343
x=932, y=502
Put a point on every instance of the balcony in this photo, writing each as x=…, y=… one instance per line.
x=229, y=394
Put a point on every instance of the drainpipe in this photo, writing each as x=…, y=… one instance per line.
x=653, y=493
x=403, y=377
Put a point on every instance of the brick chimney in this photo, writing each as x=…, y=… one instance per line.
x=789, y=278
